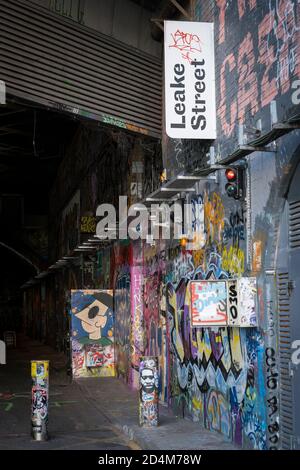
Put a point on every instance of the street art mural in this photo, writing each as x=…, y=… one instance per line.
x=123, y=324
x=137, y=322
x=155, y=310
x=92, y=333
x=148, y=404
x=214, y=374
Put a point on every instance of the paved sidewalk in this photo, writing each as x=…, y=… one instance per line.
x=74, y=423
x=94, y=413
x=120, y=405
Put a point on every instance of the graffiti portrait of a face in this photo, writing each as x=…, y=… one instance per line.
x=147, y=380
x=94, y=316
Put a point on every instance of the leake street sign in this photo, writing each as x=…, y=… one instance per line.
x=190, y=80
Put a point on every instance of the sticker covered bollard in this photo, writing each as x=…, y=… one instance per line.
x=39, y=399
x=148, y=391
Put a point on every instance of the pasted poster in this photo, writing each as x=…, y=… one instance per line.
x=208, y=303
x=232, y=302
x=241, y=302
x=148, y=391
x=247, y=301
x=92, y=333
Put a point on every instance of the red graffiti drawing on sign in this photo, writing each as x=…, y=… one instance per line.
x=187, y=44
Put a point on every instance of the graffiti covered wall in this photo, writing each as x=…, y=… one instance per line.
x=213, y=374
x=123, y=324
x=258, y=61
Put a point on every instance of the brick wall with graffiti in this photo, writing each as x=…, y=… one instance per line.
x=257, y=57
x=257, y=61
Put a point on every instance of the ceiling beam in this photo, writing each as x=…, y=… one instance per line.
x=181, y=9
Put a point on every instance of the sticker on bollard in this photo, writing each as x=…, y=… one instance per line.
x=148, y=405
x=39, y=400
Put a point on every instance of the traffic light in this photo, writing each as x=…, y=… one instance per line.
x=235, y=182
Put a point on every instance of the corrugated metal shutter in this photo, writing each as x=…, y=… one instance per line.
x=286, y=393
x=55, y=62
x=294, y=224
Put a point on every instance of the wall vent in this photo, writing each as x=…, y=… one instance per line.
x=286, y=393
x=294, y=224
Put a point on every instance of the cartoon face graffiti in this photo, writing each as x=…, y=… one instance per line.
x=148, y=380
x=94, y=316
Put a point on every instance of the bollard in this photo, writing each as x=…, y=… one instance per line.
x=39, y=400
x=148, y=406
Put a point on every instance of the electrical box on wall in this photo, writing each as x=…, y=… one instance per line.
x=230, y=302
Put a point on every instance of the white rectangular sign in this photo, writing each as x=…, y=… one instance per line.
x=190, y=103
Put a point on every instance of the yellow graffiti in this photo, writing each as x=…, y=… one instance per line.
x=204, y=345
x=233, y=260
x=214, y=217
x=176, y=336
x=198, y=257
x=197, y=404
x=236, y=350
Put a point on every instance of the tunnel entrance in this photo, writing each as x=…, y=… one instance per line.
x=32, y=145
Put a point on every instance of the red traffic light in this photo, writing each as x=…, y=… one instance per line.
x=230, y=174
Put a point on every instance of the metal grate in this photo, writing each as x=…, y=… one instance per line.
x=51, y=61
x=294, y=224
x=286, y=394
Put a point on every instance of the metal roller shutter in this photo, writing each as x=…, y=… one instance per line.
x=52, y=61
x=286, y=395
